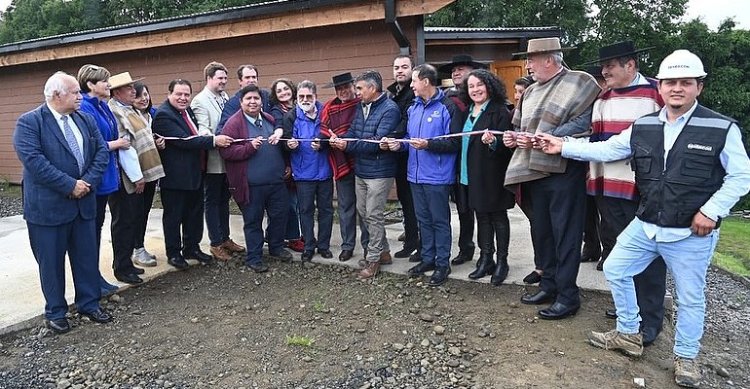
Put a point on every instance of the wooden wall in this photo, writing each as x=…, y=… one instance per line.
x=313, y=53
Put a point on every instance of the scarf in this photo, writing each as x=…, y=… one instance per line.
x=335, y=118
x=543, y=108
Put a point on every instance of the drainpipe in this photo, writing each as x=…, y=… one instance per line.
x=398, y=33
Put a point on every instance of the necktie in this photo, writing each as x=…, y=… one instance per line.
x=188, y=122
x=73, y=143
x=220, y=100
x=258, y=123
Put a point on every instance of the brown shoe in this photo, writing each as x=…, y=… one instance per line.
x=385, y=258
x=370, y=271
x=628, y=344
x=687, y=372
x=220, y=253
x=232, y=247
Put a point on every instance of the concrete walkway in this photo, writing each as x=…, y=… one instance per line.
x=22, y=303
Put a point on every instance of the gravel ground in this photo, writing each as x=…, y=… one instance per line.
x=303, y=328
x=10, y=205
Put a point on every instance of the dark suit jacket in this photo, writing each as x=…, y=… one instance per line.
x=182, y=159
x=487, y=167
x=50, y=169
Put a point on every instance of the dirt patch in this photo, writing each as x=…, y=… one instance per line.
x=224, y=327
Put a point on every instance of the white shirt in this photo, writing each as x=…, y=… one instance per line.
x=73, y=126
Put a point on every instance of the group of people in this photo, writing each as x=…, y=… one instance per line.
x=665, y=171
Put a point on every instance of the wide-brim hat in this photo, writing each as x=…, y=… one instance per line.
x=617, y=50
x=461, y=59
x=541, y=46
x=340, y=79
x=594, y=70
x=122, y=79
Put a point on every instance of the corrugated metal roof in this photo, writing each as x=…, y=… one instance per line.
x=221, y=15
x=437, y=33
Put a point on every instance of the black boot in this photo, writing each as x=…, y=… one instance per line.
x=485, y=267
x=501, y=271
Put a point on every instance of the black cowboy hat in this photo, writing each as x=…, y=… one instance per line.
x=617, y=50
x=340, y=79
x=594, y=70
x=461, y=59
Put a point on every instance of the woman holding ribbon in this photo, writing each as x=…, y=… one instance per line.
x=482, y=164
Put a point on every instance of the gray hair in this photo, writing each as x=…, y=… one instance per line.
x=309, y=85
x=56, y=84
x=557, y=58
x=372, y=78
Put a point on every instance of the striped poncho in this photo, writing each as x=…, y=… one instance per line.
x=614, y=111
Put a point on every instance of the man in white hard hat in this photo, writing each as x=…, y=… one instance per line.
x=690, y=168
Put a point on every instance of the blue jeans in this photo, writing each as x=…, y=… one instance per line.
x=316, y=195
x=431, y=204
x=271, y=199
x=686, y=259
x=217, y=208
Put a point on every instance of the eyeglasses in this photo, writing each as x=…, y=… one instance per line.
x=305, y=97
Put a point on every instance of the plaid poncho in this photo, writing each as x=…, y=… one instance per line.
x=543, y=108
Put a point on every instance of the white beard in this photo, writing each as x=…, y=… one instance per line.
x=305, y=106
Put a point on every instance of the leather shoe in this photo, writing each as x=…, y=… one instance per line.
x=199, y=256
x=420, y=269
x=610, y=313
x=462, y=258
x=98, y=316
x=129, y=278
x=325, y=253
x=346, y=255
x=439, y=276
x=137, y=271
x=385, y=258
x=405, y=252
x=541, y=297
x=416, y=257
x=283, y=255
x=532, y=278
x=58, y=326
x=558, y=311
x=307, y=256
x=178, y=262
x=258, y=268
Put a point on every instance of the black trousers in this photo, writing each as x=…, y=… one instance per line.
x=125, y=209
x=465, y=219
x=403, y=191
x=650, y=286
x=148, y=201
x=183, y=210
x=493, y=227
x=526, y=207
x=592, y=245
x=559, y=209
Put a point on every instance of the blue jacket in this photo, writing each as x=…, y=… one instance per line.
x=435, y=165
x=50, y=169
x=107, y=125
x=307, y=164
x=233, y=105
x=369, y=160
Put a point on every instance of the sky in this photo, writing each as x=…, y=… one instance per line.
x=711, y=11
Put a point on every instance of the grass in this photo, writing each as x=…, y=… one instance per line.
x=319, y=306
x=302, y=341
x=733, y=251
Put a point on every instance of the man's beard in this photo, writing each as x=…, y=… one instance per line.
x=305, y=106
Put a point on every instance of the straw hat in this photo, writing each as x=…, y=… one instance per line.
x=122, y=79
x=543, y=45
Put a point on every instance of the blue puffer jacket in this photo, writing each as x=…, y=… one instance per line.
x=307, y=164
x=369, y=160
x=107, y=125
x=435, y=165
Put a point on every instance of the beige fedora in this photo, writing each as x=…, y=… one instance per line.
x=122, y=79
x=543, y=45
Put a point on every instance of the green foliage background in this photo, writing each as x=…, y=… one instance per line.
x=586, y=24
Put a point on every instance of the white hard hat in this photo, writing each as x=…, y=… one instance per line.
x=681, y=64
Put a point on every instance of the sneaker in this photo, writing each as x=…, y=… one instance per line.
x=687, y=373
x=282, y=255
x=220, y=253
x=232, y=247
x=144, y=250
x=629, y=344
x=142, y=258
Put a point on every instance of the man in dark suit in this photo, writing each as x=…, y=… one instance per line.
x=64, y=157
x=184, y=161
